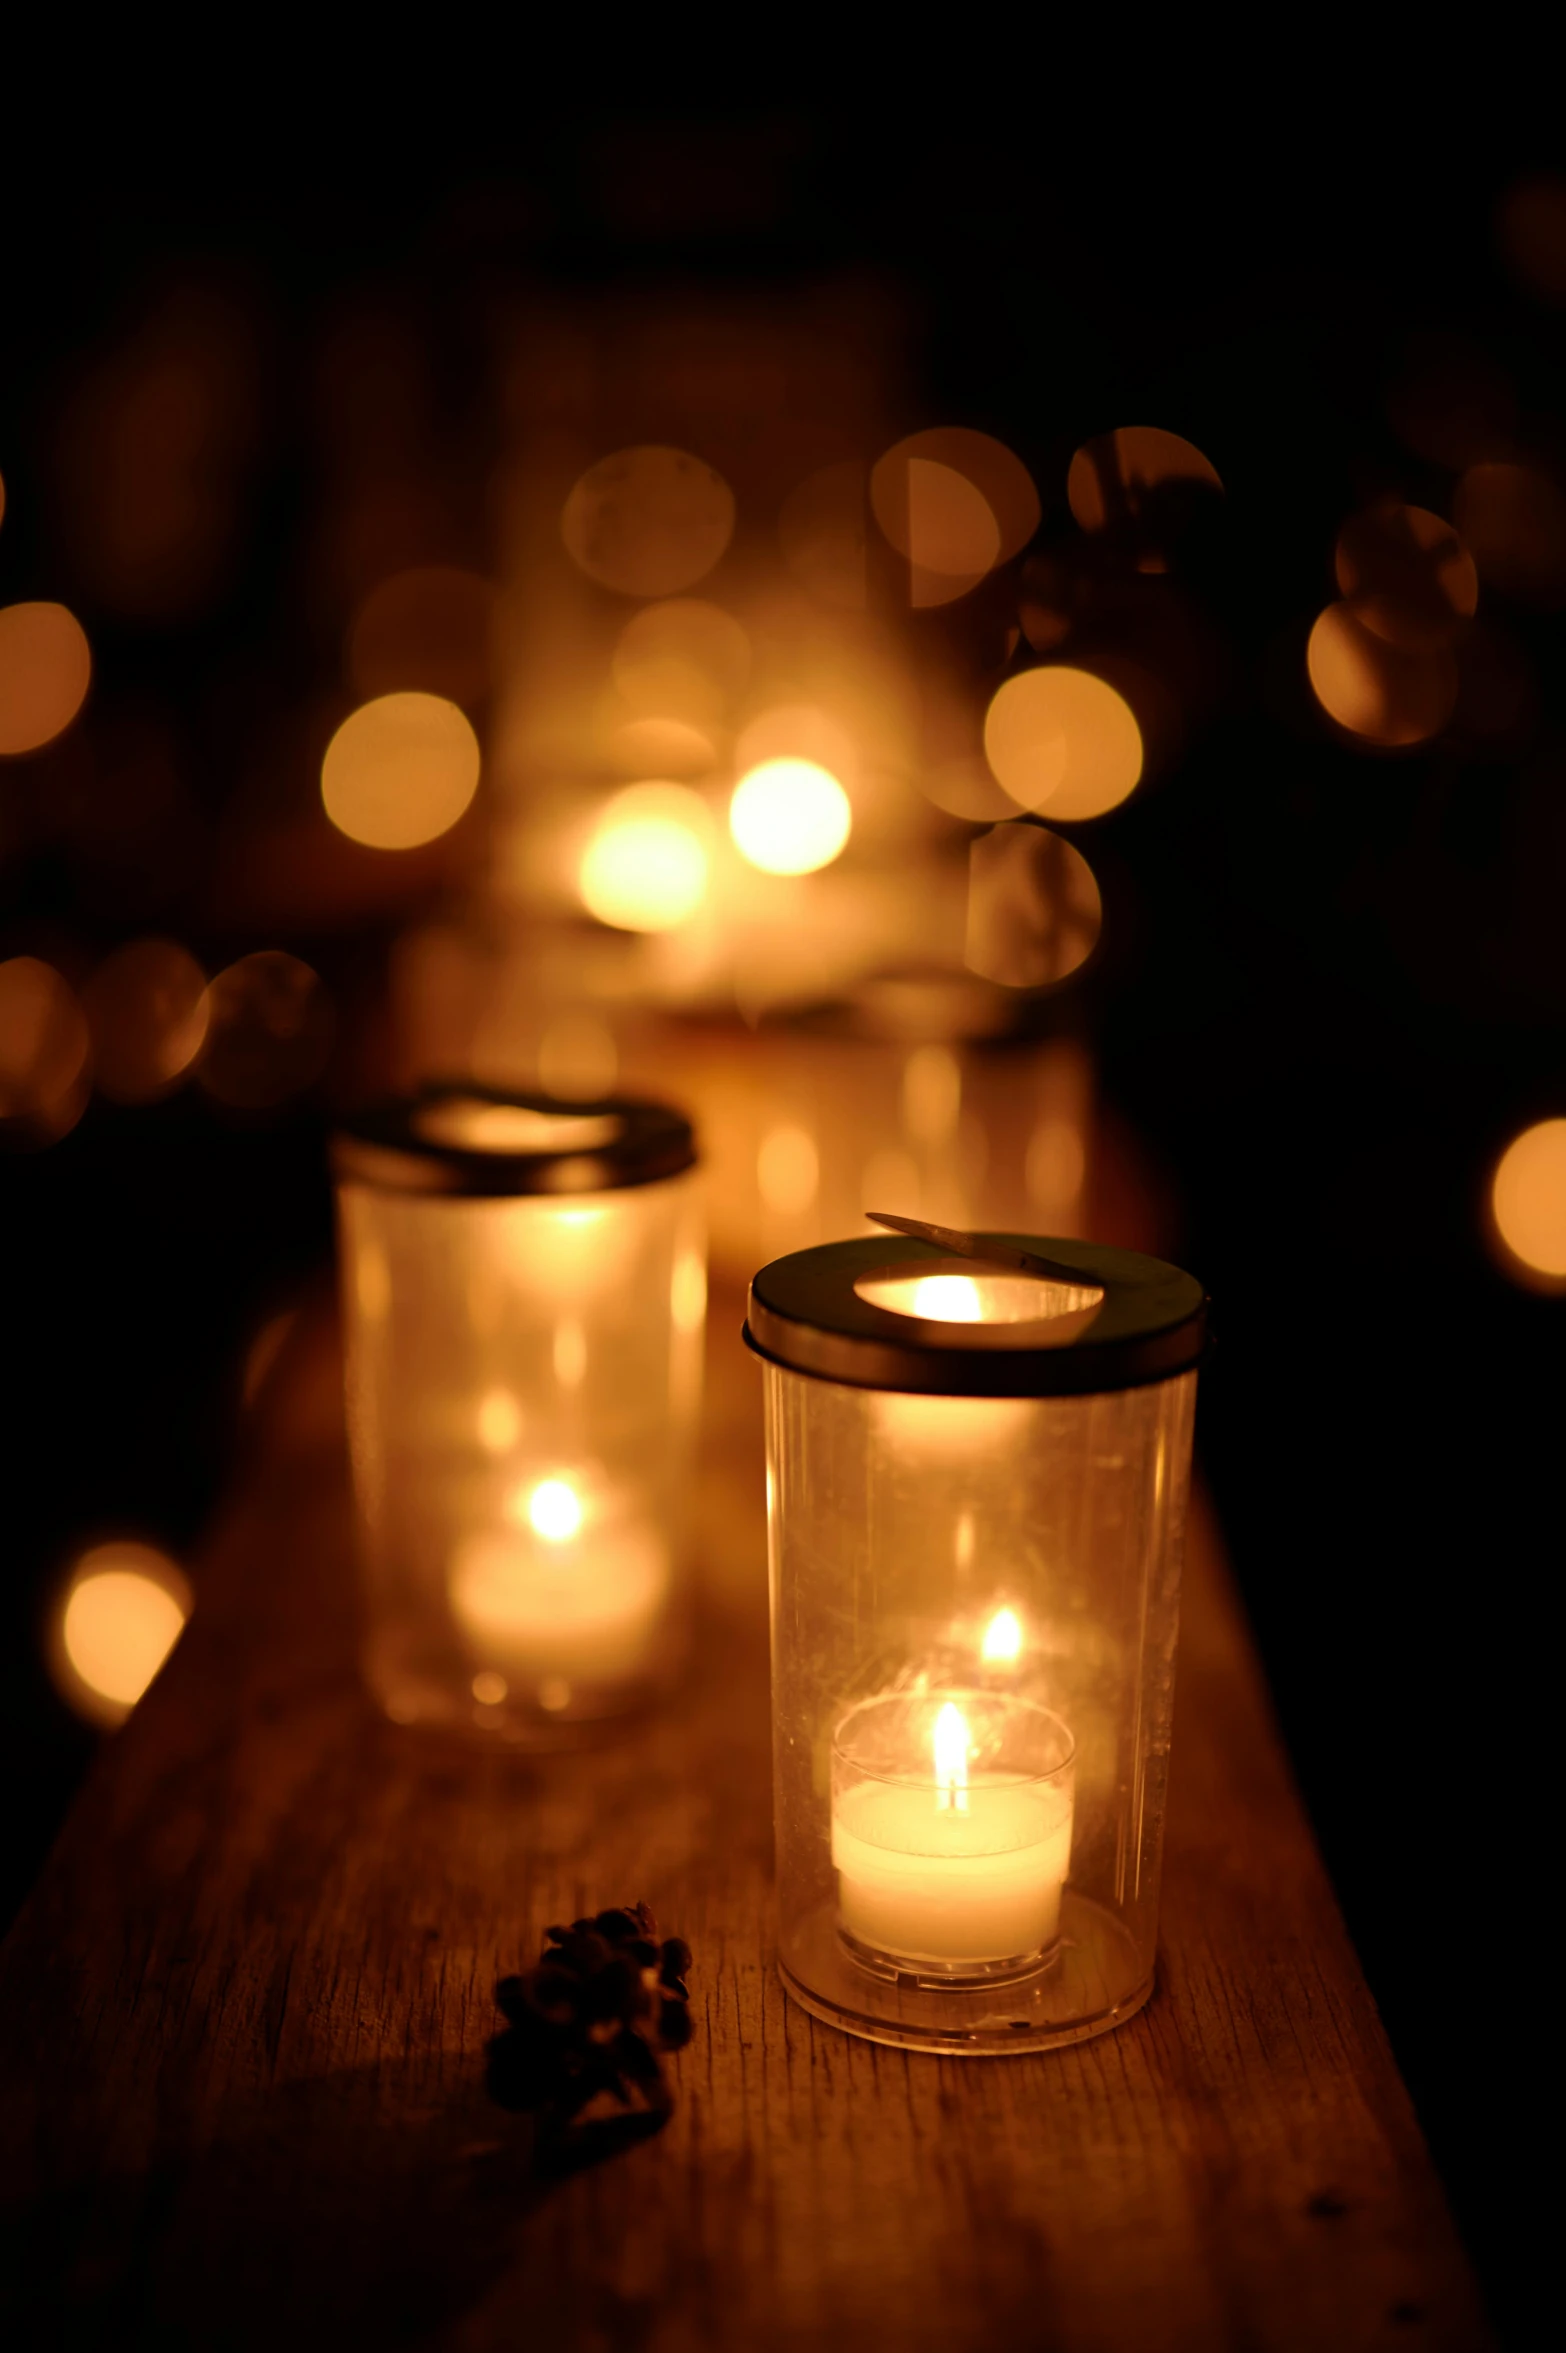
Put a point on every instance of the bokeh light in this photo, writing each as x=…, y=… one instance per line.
x=554, y=1510
x=425, y=630
x=951, y=538
x=646, y=866
x=269, y=1031
x=1002, y=1643
x=1406, y=575
x=147, y=1009
x=677, y=668
x=685, y=658
x=648, y=521
x=1064, y=741
x=1034, y=911
x=1528, y=1199
x=400, y=771
x=1138, y=474
x=790, y=817
x=688, y=1291
x=1380, y=692
x=954, y=503
x=1514, y=519
x=965, y=788
x=123, y=1610
x=45, y=670
x=44, y=1048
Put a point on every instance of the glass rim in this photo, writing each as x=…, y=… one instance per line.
x=805, y=1315
x=391, y=1147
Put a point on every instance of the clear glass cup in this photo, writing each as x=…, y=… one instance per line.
x=524, y=1292
x=977, y=1481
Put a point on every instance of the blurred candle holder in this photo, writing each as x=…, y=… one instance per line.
x=524, y=1288
x=977, y=1472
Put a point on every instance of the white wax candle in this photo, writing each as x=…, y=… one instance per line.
x=959, y=1867
x=984, y=1885
x=573, y=1601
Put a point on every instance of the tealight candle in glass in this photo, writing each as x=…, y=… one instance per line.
x=977, y=1469
x=524, y=1290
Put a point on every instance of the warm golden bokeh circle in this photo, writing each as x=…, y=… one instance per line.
x=677, y=668
x=1406, y=575
x=1034, y=909
x=1063, y=741
x=269, y=1031
x=649, y=521
x=646, y=866
x=146, y=1006
x=44, y=1049
x=667, y=645
x=1383, y=693
x=400, y=771
x=124, y=1608
x=789, y=816
x=1528, y=1200
x=1125, y=475
x=954, y=503
x=965, y=788
x=45, y=670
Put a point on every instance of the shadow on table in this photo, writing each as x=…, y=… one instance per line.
x=396, y=2215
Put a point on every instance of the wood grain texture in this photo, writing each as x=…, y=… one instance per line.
x=242, y=2022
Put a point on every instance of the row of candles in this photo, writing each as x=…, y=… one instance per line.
x=525, y=1297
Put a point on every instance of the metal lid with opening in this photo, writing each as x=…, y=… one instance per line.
x=977, y=1315
x=477, y=1141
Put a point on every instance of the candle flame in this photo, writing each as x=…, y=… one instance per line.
x=951, y=1759
x=1002, y=1639
x=555, y=1510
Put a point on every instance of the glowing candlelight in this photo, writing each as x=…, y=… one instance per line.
x=1002, y=1644
x=575, y=1596
x=973, y=1879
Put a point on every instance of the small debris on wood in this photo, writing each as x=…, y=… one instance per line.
x=587, y=2027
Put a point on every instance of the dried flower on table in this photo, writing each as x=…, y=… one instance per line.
x=588, y=2024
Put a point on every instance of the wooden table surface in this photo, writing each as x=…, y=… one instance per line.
x=243, y=2016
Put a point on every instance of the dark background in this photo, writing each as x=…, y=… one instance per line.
x=1335, y=985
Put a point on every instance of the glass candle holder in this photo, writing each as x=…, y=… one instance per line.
x=524, y=1290
x=977, y=1469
